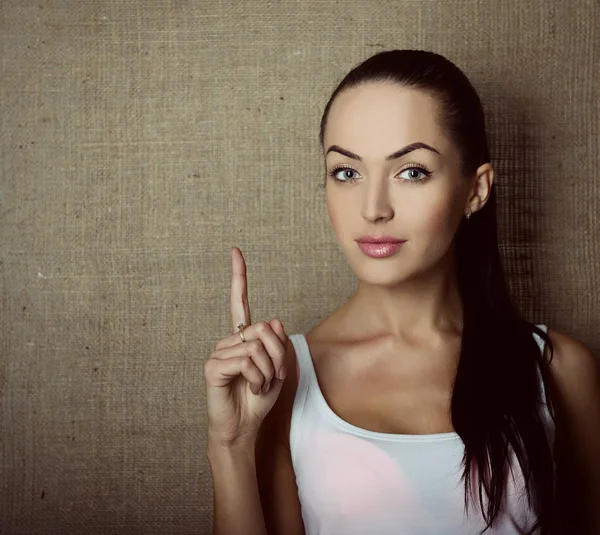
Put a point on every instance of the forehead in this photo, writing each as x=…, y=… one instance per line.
x=376, y=119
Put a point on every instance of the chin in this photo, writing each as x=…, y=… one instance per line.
x=387, y=272
x=381, y=271
x=390, y=281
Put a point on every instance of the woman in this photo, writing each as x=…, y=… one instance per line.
x=425, y=404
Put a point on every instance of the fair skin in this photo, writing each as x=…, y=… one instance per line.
x=406, y=304
x=413, y=293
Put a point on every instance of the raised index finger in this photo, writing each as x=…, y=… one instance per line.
x=240, y=310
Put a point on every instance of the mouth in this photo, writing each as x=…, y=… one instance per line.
x=380, y=249
x=379, y=239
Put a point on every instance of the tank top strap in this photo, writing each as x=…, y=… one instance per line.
x=305, y=371
x=541, y=344
x=549, y=425
x=305, y=374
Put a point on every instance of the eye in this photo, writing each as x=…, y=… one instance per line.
x=412, y=174
x=343, y=174
x=415, y=174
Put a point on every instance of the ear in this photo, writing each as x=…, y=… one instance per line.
x=481, y=189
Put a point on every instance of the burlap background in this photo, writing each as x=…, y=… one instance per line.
x=141, y=140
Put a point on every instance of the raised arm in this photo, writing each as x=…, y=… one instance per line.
x=244, y=377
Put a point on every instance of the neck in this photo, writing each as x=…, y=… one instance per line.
x=413, y=309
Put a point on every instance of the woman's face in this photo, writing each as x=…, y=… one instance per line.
x=419, y=197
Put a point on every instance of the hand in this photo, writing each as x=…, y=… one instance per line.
x=237, y=373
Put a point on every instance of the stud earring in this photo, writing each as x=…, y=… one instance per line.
x=468, y=213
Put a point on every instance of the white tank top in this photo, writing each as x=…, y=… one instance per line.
x=352, y=481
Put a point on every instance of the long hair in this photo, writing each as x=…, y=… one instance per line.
x=495, y=404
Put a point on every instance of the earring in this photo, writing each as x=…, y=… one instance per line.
x=468, y=213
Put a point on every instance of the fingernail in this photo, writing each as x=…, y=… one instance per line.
x=281, y=373
x=266, y=387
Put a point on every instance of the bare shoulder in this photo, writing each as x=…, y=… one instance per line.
x=575, y=393
x=574, y=368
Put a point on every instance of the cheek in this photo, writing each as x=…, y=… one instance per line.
x=434, y=230
x=434, y=213
x=436, y=219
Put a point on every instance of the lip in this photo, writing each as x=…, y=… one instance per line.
x=379, y=239
x=379, y=250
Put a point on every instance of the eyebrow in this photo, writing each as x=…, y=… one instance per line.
x=393, y=156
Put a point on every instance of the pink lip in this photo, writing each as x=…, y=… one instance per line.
x=379, y=239
x=379, y=250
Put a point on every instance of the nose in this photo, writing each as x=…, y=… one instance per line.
x=376, y=204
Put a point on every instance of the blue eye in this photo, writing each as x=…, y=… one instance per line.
x=346, y=171
x=415, y=174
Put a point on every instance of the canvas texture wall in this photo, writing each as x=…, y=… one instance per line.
x=140, y=141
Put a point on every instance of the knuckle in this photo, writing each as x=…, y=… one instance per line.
x=262, y=326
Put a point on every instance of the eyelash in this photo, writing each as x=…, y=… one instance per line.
x=332, y=172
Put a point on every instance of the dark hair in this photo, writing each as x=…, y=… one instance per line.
x=495, y=404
